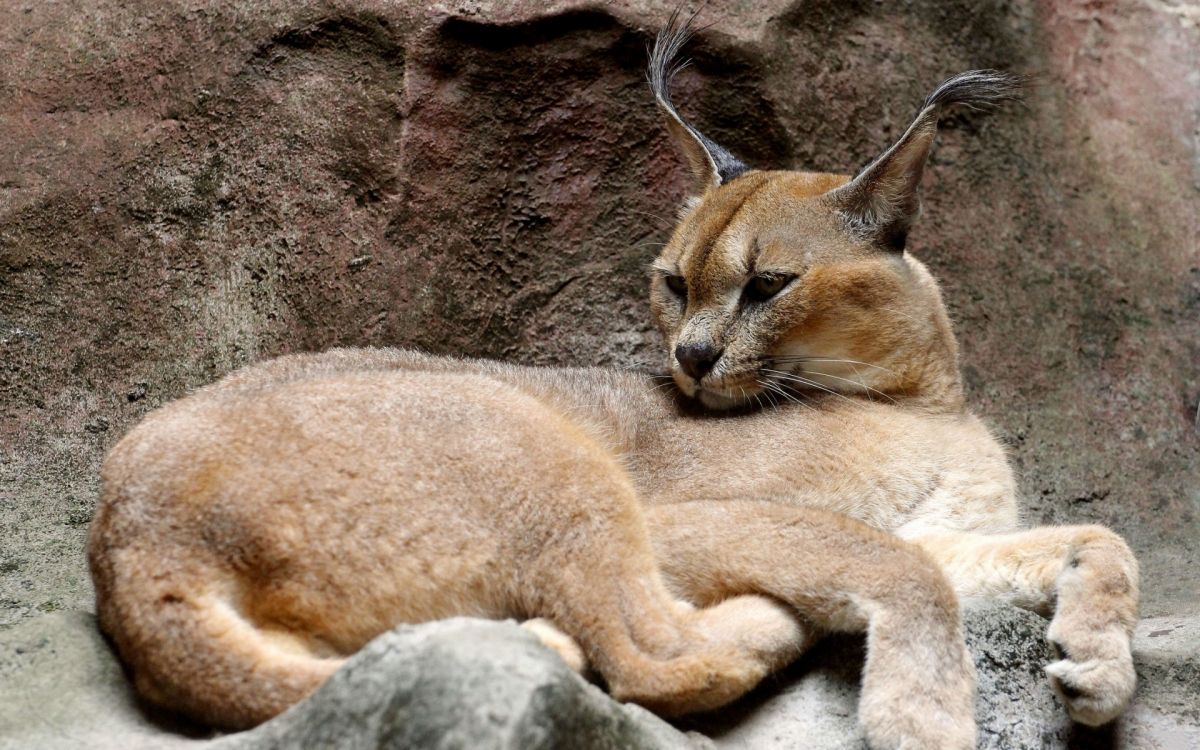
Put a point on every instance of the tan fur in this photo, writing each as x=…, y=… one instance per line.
x=253, y=534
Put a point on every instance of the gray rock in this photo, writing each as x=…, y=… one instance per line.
x=1015, y=707
x=61, y=689
x=460, y=683
x=1165, y=714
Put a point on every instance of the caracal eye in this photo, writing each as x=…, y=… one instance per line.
x=677, y=285
x=766, y=285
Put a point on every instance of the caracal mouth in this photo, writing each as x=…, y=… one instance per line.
x=729, y=393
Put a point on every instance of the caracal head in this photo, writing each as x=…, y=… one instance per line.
x=778, y=282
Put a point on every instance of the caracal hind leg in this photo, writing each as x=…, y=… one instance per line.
x=188, y=648
x=599, y=590
x=1086, y=576
x=918, y=682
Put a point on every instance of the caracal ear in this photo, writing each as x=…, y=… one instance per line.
x=711, y=164
x=883, y=201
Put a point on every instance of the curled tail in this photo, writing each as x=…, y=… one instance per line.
x=188, y=648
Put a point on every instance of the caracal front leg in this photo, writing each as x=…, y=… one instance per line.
x=918, y=687
x=1086, y=576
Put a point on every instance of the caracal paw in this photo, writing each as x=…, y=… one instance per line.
x=901, y=712
x=918, y=724
x=558, y=642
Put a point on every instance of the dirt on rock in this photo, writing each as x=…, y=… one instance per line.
x=186, y=187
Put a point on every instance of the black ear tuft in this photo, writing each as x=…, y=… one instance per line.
x=709, y=161
x=980, y=89
x=883, y=201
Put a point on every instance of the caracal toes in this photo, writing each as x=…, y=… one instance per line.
x=1095, y=691
x=1084, y=577
x=759, y=625
x=695, y=682
x=567, y=648
x=764, y=628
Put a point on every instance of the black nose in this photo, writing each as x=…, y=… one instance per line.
x=697, y=360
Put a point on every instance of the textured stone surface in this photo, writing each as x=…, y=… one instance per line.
x=476, y=684
x=61, y=687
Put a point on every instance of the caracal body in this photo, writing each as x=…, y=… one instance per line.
x=253, y=534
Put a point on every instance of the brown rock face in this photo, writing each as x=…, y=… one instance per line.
x=186, y=187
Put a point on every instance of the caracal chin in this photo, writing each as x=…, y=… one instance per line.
x=811, y=468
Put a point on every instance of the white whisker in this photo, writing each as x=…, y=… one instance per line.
x=805, y=381
x=858, y=375
x=767, y=395
x=790, y=359
x=859, y=383
x=666, y=222
x=776, y=388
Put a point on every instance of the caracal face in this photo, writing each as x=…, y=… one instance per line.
x=761, y=289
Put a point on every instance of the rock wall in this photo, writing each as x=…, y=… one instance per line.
x=188, y=186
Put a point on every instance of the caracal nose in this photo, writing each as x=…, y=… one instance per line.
x=697, y=360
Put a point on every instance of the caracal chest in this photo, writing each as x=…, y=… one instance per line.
x=872, y=462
